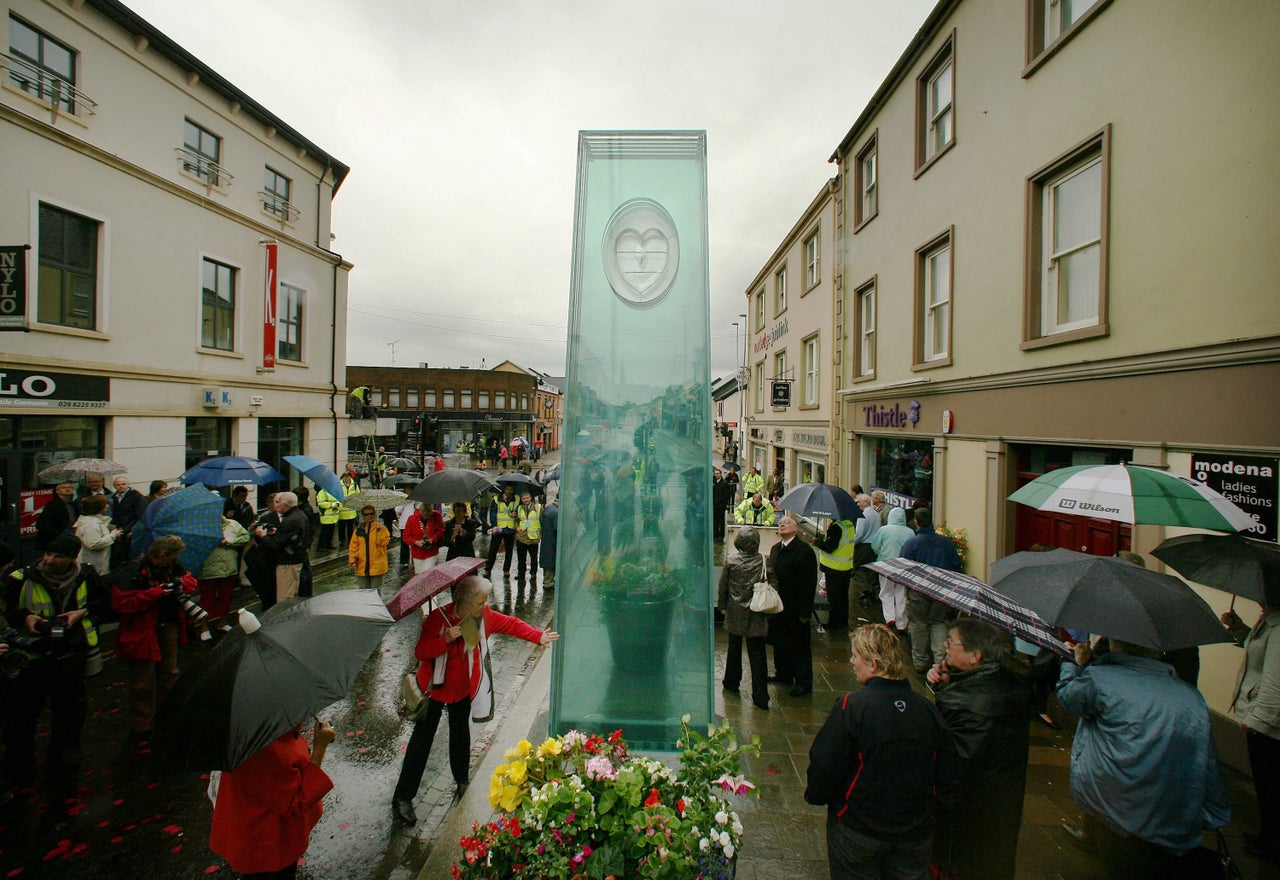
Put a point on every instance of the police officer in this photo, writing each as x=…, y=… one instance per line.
x=528, y=535
x=56, y=601
x=835, y=558
x=504, y=532
x=329, y=513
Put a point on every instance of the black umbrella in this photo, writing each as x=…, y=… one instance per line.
x=401, y=480
x=520, y=481
x=1110, y=596
x=403, y=464
x=820, y=499
x=259, y=682
x=1232, y=563
x=449, y=485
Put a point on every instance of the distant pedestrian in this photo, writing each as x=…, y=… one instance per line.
x=58, y=516
x=721, y=496
x=528, y=537
x=219, y=576
x=127, y=507
x=367, y=549
x=424, y=533
x=460, y=532
x=97, y=535
x=550, y=539
x=888, y=542
x=928, y=619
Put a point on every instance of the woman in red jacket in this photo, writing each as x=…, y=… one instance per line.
x=424, y=533
x=265, y=809
x=144, y=594
x=453, y=671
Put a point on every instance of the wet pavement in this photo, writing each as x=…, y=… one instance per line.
x=125, y=820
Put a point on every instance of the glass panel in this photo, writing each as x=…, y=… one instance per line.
x=939, y=328
x=1078, y=278
x=429, y=399
x=448, y=400
x=23, y=40
x=1077, y=202
x=634, y=576
x=209, y=275
x=49, y=296
x=902, y=469
x=939, y=275
x=940, y=91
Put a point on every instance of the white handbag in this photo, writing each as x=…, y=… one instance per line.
x=766, y=599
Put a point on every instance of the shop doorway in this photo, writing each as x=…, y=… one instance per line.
x=1086, y=534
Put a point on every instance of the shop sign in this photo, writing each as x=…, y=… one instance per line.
x=1250, y=483
x=807, y=438
x=30, y=503
x=769, y=337
x=217, y=397
x=883, y=417
x=13, y=286
x=896, y=499
x=780, y=391
x=54, y=390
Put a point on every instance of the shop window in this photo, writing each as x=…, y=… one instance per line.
x=207, y=437
x=901, y=467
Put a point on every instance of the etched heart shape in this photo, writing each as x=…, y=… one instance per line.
x=641, y=256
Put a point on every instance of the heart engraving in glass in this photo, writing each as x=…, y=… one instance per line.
x=641, y=252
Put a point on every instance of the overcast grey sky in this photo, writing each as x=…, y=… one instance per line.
x=459, y=120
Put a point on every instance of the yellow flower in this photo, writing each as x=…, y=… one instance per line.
x=551, y=747
x=517, y=772
x=511, y=797
x=495, y=786
x=522, y=749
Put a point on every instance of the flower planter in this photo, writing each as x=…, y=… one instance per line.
x=639, y=632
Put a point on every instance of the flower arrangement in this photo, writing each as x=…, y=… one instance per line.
x=582, y=806
x=960, y=538
x=638, y=579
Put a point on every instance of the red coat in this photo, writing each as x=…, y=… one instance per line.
x=135, y=596
x=432, y=531
x=431, y=644
x=267, y=807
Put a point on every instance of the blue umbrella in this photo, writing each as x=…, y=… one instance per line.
x=194, y=514
x=232, y=470
x=319, y=472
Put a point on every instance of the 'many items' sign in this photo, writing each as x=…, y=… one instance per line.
x=13, y=286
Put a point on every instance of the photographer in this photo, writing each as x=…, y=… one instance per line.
x=145, y=595
x=53, y=605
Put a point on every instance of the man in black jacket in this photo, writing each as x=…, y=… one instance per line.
x=127, y=507
x=286, y=544
x=881, y=764
x=721, y=496
x=792, y=568
x=57, y=516
x=987, y=708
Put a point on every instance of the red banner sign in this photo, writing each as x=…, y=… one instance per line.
x=30, y=503
x=269, y=312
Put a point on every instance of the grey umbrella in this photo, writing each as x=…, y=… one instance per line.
x=1232, y=563
x=449, y=485
x=1110, y=596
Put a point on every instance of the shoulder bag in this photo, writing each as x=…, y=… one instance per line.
x=765, y=599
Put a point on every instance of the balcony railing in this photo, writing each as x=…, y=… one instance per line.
x=273, y=204
x=48, y=88
x=203, y=168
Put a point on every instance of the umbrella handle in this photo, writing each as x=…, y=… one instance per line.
x=1232, y=607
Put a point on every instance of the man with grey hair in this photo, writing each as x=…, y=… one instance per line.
x=286, y=544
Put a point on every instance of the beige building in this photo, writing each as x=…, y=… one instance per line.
x=148, y=189
x=1058, y=248
x=789, y=350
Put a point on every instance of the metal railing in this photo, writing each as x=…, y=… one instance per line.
x=274, y=204
x=204, y=168
x=60, y=95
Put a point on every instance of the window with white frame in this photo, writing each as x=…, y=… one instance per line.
x=289, y=310
x=1066, y=285
x=393, y=398
x=499, y=400
x=465, y=399
x=1051, y=23
x=524, y=402
x=41, y=66
x=411, y=398
x=429, y=398
x=933, y=302
x=759, y=310
x=448, y=400
x=201, y=151
x=866, y=300
x=67, y=278
x=812, y=260
x=760, y=386
x=483, y=400
x=812, y=372
x=780, y=365
x=935, y=110
x=866, y=181
x=218, y=305
x=780, y=291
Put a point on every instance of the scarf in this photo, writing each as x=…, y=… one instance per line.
x=60, y=585
x=475, y=643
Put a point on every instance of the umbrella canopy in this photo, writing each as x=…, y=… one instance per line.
x=194, y=514
x=520, y=481
x=319, y=473
x=1232, y=563
x=1109, y=596
x=820, y=499
x=731, y=466
x=232, y=470
x=256, y=685
x=402, y=480
x=76, y=469
x=519, y=441
x=449, y=485
x=420, y=588
x=378, y=499
x=1126, y=493
x=973, y=597
x=402, y=464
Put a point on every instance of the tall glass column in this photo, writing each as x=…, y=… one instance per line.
x=633, y=574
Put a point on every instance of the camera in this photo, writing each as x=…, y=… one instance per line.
x=12, y=662
x=194, y=612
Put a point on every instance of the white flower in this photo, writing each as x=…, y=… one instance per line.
x=686, y=718
x=737, y=827
x=728, y=850
x=704, y=844
x=722, y=818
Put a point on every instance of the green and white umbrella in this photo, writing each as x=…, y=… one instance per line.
x=1127, y=493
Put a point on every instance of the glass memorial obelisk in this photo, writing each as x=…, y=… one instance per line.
x=634, y=588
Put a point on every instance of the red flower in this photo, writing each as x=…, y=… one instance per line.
x=653, y=799
x=615, y=736
x=680, y=805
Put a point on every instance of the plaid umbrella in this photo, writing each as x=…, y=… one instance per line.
x=194, y=514
x=973, y=597
x=420, y=588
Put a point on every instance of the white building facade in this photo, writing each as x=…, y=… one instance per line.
x=164, y=241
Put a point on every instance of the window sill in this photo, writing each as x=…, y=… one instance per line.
x=1034, y=64
x=778, y=314
x=865, y=377
x=928, y=163
x=44, y=105
x=217, y=352
x=812, y=287
x=208, y=187
x=1065, y=337
x=933, y=364
x=810, y=406
x=274, y=217
x=862, y=223
x=281, y=362
x=70, y=331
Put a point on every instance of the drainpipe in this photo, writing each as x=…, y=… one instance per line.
x=333, y=317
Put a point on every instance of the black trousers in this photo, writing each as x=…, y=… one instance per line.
x=283, y=874
x=1264, y=761
x=326, y=536
x=420, y=741
x=838, y=596
x=526, y=553
x=61, y=682
x=496, y=541
x=717, y=524
x=756, y=658
x=792, y=653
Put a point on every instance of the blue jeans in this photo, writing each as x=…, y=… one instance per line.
x=855, y=856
